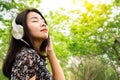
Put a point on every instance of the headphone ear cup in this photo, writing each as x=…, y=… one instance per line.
x=17, y=30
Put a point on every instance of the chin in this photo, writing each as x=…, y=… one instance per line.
x=45, y=37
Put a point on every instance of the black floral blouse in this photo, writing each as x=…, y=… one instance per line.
x=27, y=64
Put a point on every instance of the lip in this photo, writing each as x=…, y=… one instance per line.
x=44, y=30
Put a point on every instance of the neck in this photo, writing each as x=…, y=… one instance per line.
x=37, y=44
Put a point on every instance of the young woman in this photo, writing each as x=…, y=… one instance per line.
x=30, y=41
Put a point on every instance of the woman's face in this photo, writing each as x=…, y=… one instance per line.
x=36, y=25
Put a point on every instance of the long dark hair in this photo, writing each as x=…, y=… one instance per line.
x=16, y=45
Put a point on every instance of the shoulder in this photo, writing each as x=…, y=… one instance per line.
x=28, y=55
x=25, y=56
x=25, y=52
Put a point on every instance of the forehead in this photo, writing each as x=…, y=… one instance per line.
x=33, y=14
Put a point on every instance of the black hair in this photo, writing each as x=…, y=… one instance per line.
x=16, y=45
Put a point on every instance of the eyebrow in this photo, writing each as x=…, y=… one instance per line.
x=35, y=18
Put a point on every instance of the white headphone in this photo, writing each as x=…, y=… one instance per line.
x=18, y=31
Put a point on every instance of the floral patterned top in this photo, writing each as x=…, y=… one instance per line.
x=27, y=64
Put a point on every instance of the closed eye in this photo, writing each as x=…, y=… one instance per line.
x=34, y=21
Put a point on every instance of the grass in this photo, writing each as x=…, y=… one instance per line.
x=2, y=77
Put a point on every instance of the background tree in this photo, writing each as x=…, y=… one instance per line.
x=92, y=32
x=85, y=40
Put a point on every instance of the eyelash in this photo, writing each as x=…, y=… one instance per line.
x=34, y=21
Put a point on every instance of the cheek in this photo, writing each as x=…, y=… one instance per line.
x=32, y=29
x=33, y=32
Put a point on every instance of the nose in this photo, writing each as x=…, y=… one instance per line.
x=43, y=25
